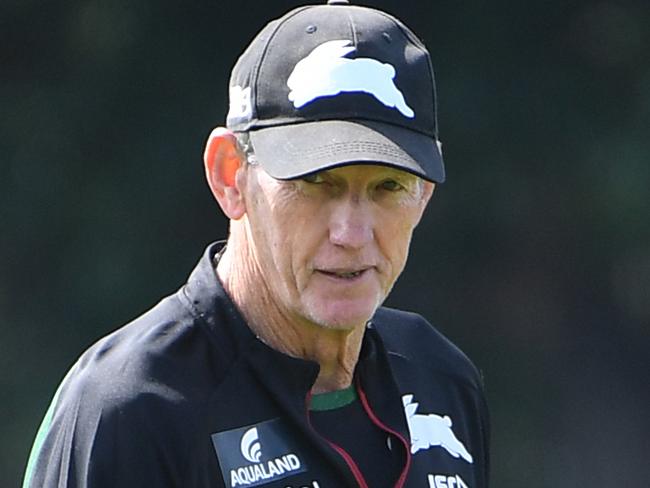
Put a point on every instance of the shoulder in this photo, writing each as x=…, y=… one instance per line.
x=160, y=362
x=410, y=336
x=128, y=397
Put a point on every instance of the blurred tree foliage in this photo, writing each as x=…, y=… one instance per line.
x=534, y=257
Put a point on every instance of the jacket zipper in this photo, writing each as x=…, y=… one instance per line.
x=407, y=446
x=351, y=464
x=358, y=475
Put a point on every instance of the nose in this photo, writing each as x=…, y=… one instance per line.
x=351, y=223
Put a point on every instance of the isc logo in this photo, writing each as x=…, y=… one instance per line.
x=444, y=481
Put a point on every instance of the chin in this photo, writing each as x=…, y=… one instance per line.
x=342, y=316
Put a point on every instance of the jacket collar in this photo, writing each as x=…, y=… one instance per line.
x=229, y=331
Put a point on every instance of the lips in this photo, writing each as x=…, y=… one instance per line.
x=344, y=273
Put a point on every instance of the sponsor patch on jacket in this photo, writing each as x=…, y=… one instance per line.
x=445, y=481
x=257, y=454
x=432, y=431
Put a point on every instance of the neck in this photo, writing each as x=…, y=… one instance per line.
x=335, y=350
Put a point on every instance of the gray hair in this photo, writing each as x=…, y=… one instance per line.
x=246, y=147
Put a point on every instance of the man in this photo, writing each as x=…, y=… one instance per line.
x=275, y=365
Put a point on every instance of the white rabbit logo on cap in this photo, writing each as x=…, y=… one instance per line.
x=326, y=72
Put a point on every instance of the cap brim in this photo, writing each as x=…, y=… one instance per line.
x=292, y=151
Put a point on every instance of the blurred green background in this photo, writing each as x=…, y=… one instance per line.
x=534, y=256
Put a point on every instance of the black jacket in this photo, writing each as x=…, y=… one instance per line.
x=187, y=396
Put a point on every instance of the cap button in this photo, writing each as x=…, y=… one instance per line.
x=338, y=2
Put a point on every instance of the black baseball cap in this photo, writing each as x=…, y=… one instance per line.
x=336, y=84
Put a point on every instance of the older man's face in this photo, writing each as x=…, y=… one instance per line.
x=330, y=246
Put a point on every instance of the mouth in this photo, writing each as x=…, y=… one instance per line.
x=343, y=274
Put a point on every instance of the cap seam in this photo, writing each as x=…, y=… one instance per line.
x=417, y=43
x=258, y=66
x=353, y=30
x=358, y=147
x=259, y=124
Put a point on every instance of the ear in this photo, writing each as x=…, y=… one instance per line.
x=222, y=159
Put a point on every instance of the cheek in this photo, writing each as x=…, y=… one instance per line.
x=266, y=228
x=292, y=238
x=306, y=235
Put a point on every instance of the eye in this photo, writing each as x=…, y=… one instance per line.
x=391, y=185
x=314, y=178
